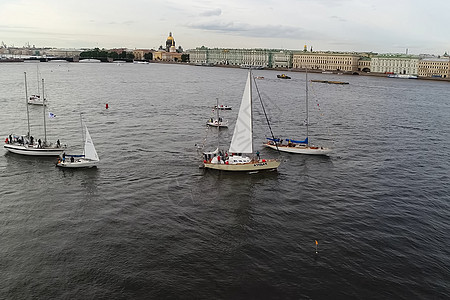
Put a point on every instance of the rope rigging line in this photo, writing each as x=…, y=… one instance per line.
x=264, y=110
x=321, y=114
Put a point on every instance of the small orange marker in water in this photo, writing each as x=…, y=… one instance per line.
x=317, y=245
x=107, y=106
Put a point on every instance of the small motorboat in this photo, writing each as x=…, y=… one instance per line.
x=222, y=107
x=283, y=76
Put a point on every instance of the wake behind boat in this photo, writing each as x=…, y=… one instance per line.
x=242, y=142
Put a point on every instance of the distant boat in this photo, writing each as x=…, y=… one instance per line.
x=26, y=144
x=90, y=60
x=283, y=76
x=36, y=98
x=57, y=61
x=406, y=76
x=223, y=107
x=246, y=66
x=218, y=121
x=88, y=159
x=140, y=62
x=330, y=81
x=241, y=142
x=298, y=146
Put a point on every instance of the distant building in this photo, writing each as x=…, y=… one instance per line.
x=170, y=43
x=327, y=61
x=283, y=59
x=118, y=50
x=434, y=67
x=171, y=56
x=139, y=54
x=264, y=58
x=395, y=64
x=63, y=53
x=170, y=52
x=364, y=64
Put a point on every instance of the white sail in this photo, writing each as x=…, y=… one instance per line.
x=89, y=149
x=242, y=137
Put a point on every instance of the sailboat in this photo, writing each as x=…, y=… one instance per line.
x=218, y=121
x=36, y=99
x=298, y=146
x=88, y=159
x=241, y=142
x=27, y=144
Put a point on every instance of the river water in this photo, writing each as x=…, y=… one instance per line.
x=149, y=224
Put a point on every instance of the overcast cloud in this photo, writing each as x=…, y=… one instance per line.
x=339, y=25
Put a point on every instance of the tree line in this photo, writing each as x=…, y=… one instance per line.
x=103, y=54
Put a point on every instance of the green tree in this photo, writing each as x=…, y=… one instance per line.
x=148, y=56
x=184, y=57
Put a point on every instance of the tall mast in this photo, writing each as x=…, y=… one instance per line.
x=26, y=103
x=37, y=78
x=43, y=109
x=218, y=124
x=307, y=112
x=82, y=134
x=251, y=106
x=82, y=131
x=217, y=110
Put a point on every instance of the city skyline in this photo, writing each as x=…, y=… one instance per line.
x=327, y=25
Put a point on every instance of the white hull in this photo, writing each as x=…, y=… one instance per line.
x=89, y=60
x=246, y=167
x=31, y=102
x=35, y=100
x=31, y=151
x=301, y=149
x=215, y=124
x=223, y=107
x=78, y=163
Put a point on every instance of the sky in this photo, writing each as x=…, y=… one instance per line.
x=382, y=26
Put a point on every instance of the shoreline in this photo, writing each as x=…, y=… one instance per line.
x=355, y=73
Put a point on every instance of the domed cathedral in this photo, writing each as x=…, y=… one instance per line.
x=170, y=43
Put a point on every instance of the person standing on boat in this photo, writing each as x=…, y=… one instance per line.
x=39, y=143
x=257, y=155
x=58, y=144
